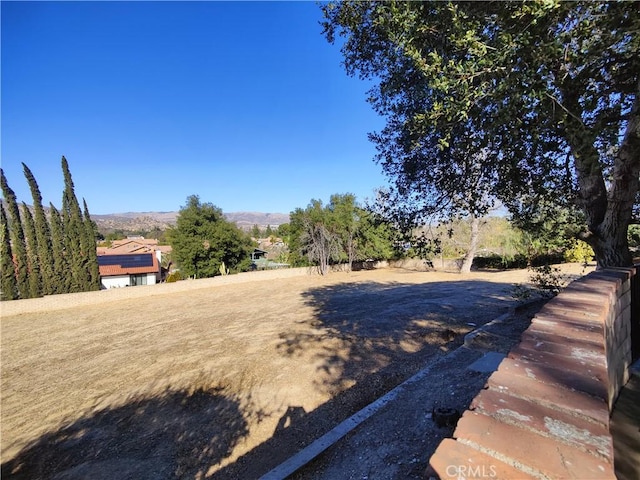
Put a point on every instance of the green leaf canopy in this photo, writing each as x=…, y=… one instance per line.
x=203, y=239
x=513, y=101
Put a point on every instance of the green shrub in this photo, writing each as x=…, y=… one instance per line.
x=546, y=282
x=578, y=251
x=633, y=235
x=550, y=258
x=500, y=262
x=174, y=277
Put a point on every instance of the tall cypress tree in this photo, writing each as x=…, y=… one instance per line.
x=61, y=271
x=75, y=243
x=18, y=244
x=9, y=287
x=43, y=234
x=91, y=233
x=33, y=264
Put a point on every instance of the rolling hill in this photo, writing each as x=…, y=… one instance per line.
x=140, y=221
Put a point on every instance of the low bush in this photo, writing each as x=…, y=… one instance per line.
x=499, y=262
x=174, y=277
x=578, y=251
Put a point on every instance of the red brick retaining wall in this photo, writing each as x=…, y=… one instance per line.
x=544, y=413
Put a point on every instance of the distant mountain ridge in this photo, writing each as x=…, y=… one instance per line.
x=146, y=221
x=137, y=221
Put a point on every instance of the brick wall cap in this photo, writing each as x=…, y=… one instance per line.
x=577, y=323
x=603, y=281
x=624, y=272
x=594, y=355
x=534, y=336
x=551, y=458
x=551, y=325
x=573, y=301
x=577, y=363
x=579, y=431
x=568, y=379
x=555, y=389
x=454, y=460
x=525, y=387
x=589, y=293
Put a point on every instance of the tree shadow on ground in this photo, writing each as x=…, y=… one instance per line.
x=368, y=338
x=365, y=328
x=176, y=434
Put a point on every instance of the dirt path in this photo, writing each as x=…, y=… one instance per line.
x=187, y=383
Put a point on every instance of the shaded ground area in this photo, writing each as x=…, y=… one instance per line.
x=176, y=434
x=625, y=427
x=397, y=442
x=225, y=381
x=378, y=322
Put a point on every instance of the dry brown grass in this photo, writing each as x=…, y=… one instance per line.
x=139, y=362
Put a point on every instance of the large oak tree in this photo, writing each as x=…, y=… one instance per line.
x=203, y=240
x=523, y=102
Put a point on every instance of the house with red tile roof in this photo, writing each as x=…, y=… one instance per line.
x=129, y=269
x=134, y=245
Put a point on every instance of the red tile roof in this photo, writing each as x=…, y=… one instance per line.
x=133, y=245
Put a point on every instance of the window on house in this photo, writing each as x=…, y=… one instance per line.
x=138, y=280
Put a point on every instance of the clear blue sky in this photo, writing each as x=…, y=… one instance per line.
x=242, y=103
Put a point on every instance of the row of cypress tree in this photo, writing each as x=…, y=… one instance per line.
x=44, y=254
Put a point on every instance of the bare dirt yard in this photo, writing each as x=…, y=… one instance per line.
x=220, y=378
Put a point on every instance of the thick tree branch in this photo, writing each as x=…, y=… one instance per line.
x=592, y=191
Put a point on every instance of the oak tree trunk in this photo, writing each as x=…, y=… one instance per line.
x=473, y=245
x=608, y=207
